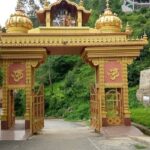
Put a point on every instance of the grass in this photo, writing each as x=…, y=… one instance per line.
x=137, y=146
x=141, y=116
x=133, y=102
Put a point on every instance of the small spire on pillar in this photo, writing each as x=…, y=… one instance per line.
x=107, y=4
x=81, y=3
x=145, y=36
x=129, y=29
x=46, y=3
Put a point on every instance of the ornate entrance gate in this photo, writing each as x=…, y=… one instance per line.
x=106, y=48
x=11, y=112
x=94, y=109
x=38, y=110
x=114, y=105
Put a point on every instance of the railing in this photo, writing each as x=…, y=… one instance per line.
x=131, y=5
x=38, y=110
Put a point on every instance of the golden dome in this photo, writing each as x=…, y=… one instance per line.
x=18, y=23
x=109, y=22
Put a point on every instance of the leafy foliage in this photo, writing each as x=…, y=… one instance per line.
x=141, y=116
x=55, y=69
x=20, y=103
x=133, y=102
x=64, y=100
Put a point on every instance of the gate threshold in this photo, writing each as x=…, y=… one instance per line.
x=17, y=133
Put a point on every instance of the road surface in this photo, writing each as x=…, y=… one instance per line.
x=62, y=135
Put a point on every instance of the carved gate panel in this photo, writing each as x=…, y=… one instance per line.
x=114, y=108
x=38, y=110
x=11, y=112
x=94, y=109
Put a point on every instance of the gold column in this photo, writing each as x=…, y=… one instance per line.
x=126, y=111
x=99, y=100
x=99, y=64
x=48, y=19
x=28, y=95
x=102, y=92
x=30, y=65
x=4, y=117
x=79, y=19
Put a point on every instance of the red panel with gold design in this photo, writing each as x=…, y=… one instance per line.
x=113, y=72
x=17, y=74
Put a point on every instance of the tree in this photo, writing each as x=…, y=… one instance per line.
x=21, y=5
x=30, y=6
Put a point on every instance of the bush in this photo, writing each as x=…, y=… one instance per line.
x=133, y=102
x=141, y=116
x=70, y=96
x=20, y=103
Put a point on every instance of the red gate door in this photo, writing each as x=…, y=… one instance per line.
x=38, y=110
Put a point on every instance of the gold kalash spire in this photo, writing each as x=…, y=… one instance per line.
x=46, y=3
x=108, y=22
x=107, y=4
x=81, y=3
x=18, y=22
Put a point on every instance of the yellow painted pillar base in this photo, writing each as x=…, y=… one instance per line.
x=27, y=121
x=4, y=122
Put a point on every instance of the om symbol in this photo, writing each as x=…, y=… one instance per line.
x=17, y=75
x=113, y=73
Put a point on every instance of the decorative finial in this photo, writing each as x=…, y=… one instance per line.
x=81, y=3
x=46, y=3
x=129, y=29
x=145, y=36
x=127, y=24
x=107, y=4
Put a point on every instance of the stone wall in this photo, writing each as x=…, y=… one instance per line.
x=145, y=79
x=143, y=93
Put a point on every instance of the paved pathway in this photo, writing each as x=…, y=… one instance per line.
x=62, y=135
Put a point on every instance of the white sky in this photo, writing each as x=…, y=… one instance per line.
x=7, y=7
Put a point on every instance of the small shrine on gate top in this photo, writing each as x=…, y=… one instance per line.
x=63, y=31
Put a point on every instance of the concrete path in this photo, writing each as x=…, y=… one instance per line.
x=62, y=135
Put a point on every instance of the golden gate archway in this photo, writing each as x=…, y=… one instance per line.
x=105, y=47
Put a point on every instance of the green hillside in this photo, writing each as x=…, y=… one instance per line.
x=67, y=82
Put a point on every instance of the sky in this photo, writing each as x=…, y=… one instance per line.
x=7, y=7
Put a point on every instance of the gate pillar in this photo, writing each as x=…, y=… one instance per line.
x=98, y=64
x=111, y=74
x=4, y=116
x=126, y=112
x=30, y=68
x=7, y=117
x=111, y=84
x=18, y=66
